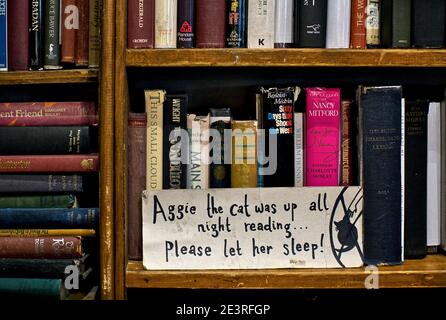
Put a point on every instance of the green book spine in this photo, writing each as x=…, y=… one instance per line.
x=29, y=287
x=52, y=32
x=401, y=23
x=56, y=201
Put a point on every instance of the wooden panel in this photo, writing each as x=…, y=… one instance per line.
x=46, y=77
x=285, y=58
x=106, y=228
x=429, y=272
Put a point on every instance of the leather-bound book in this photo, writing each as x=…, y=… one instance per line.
x=211, y=23
x=18, y=34
x=82, y=41
x=69, y=27
x=140, y=24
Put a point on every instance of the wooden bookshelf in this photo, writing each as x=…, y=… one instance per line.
x=49, y=77
x=429, y=272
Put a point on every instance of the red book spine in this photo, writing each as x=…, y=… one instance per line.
x=41, y=247
x=358, y=33
x=82, y=41
x=140, y=24
x=347, y=140
x=136, y=181
x=49, y=163
x=18, y=34
x=47, y=113
x=69, y=25
x=211, y=23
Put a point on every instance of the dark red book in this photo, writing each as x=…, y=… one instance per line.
x=211, y=23
x=140, y=23
x=69, y=25
x=18, y=34
x=136, y=181
x=357, y=33
x=49, y=163
x=82, y=40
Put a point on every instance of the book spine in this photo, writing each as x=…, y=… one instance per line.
x=40, y=183
x=211, y=23
x=154, y=100
x=260, y=137
x=428, y=23
x=348, y=141
x=322, y=145
x=53, y=201
x=166, y=23
x=236, y=28
x=82, y=34
x=52, y=29
x=386, y=23
x=94, y=37
x=36, y=35
x=261, y=21
x=219, y=169
x=18, y=34
x=47, y=113
x=298, y=149
x=79, y=218
x=39, y=268
x=3, y=36
x=50, y=163
x=283, y=24
x=443, y=175
x=433, y=175
x=311, y=22
x=380, y=126
x=20, y=233
x=44, y=140
x=244, y=154
x=338, y=20
x=401, y=23
x=175, y=142
x=140, y=24
x=358, y=24
x=70, y=23
x=41, y=247
x=415, y=179
x=198, y=164
x=278, y=121
x=136, y=181
x=373, y=38
x=186, y=24
x=32, y=288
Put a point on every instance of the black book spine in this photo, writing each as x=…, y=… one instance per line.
x=386, y=18
x=10, y=183
x=44, y=140
x=43, y=268
x=415, y=178
x=428, y=23
x=277, y=120
x=175, y=142
x=219, y=169
x=236, y=23
x=311, y=24
x=401, y=22
x=186, y=24
x=52, y=36
x=380, y=136
x=36, y=35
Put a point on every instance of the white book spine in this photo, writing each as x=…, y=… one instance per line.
x=433, y=174
x=443, y=175
x=165, y=24
x=403, y=171
x=298, y=149
x=338, y=24
x=198, y=164
x=261, y=16
x=283, y=24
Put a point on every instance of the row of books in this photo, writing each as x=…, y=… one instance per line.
x=310, y=137
x=286, y=23
x=48, y=221
x=49, y=34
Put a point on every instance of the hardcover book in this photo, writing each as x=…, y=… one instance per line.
x=35, y=288
x=198, y=164
x=322, y=134
x=261, y=20
x=220, y=168
x=380, y=119
x=186, y=24
x=18, y=34
x=349, y=114
x=33, y=201
x=401, y=23
x=69, y=27
x=338, y=22
x=82, y=34
x=52, y=29
x=211, y=23
x=311, y=24
x=36, y=35
x=3, y=37
x=140, y=24
x=244, y=154
x=283, y=24
x=36, y=183
x=358, y=22
x=443, y=175
x=373, y=33
x=94, y=30
x=236, y=28
x=428, y=26
x=299, y=149
x=166, y=23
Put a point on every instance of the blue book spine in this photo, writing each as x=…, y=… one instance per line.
x=3, y=37
x=53, y=218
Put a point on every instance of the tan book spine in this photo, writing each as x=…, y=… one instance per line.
x=154, y=109
x=47, y=232
x=94, y=38
x=165, y=23
x=244, y=154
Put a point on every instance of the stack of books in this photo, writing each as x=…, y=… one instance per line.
x=48, y=197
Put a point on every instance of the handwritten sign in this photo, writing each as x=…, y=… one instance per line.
x=253, y=228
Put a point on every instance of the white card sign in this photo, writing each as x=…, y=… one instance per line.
x=312, y=227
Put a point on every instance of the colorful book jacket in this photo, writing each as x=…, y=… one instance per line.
x=186, y=24
x=236, y=28
x=14, y=183
x=39, y=201
x=78, y=218
x=141, y=24
x=3, y=37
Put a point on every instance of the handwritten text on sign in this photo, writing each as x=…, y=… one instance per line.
x=253, y=228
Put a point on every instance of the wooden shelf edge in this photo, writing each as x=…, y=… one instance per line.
x=426, y=273
x=285, y=58
x=48, y=77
